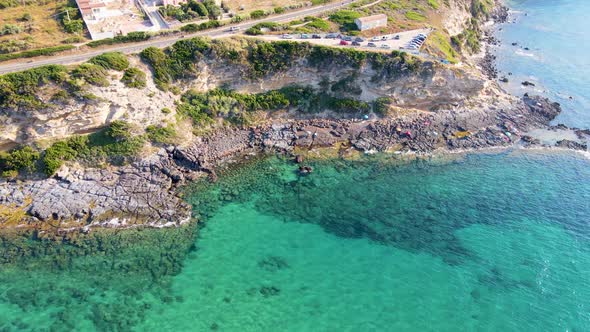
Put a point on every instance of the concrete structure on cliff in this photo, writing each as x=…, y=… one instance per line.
x=371, y=22
x=109, y=18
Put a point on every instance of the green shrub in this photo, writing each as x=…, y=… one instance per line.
x=55, y=156
x=38, y=52
x=73, y=40
x=119, y=131
x=162, y=135
x=212, y=8
x=318, y=23
x=19, y=89
x=114, y=144
x=414, y=16
x=258, y=14
x=73, y=26
x=279, y=10
x=266, y=58
x=433, y=3
x=322, y=56
x=381, y=106
x=93, y=74
x=134, y=78
x=132, y=37
x=192, y=27
x=18, y=160
x=14, y=45
x=26, y=17
x=345, y=18
x=178, y=62
x=253, y=31
x=10, y=29
x=191, y=10
x=111, y=60
x=257, y=29
x=160, y=65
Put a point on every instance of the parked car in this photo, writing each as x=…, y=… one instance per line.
x=359, y=39
x=344, y=42
x=384, y=38
x=331, y=36
x=372, y=45
x=234, y=29
x=316, y=36
x=396, y=37
x=385, y=46
x=374, y=39
x=347, y=38
x=304, y=36
x=287, y=36
x=355, y=43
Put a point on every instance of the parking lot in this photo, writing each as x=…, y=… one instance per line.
x=391, y=42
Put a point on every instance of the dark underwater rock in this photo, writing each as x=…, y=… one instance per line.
x=571, y=145
x=273, y=263
x=268, y=291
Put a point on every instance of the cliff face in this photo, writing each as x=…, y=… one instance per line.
x=60, y=119
x=431, y=87
x=456, y=15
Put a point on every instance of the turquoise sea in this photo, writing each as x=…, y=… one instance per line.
x=481, y=242
x=557, y=35
x=497, y=242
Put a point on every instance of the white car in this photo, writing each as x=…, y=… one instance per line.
x=286, y=36
x=374, y=39
x=385, y=46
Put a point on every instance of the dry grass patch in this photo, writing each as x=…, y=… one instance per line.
x=42, y=30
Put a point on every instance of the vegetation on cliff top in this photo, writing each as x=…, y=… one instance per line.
x=257, y=59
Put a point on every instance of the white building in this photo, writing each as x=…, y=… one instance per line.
x=371, y=22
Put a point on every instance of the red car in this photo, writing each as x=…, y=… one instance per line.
x=344, y=42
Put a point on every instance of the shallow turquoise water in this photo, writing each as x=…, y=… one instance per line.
x=483, y=242
x=487, y=243
x=558, y=37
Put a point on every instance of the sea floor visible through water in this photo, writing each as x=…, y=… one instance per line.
x=496, y=242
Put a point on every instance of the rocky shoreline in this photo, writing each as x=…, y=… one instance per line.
x=147, y=193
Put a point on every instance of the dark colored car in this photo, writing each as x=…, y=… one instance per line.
x=355, y=43
x=331, y=36
x=372, y=45
x=315, y=36
x=347, y=38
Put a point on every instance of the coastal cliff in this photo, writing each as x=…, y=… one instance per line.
x=230, y=98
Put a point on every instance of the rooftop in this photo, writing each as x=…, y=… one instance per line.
x=373, y=18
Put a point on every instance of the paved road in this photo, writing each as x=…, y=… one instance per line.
x=81, y=56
